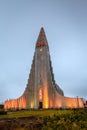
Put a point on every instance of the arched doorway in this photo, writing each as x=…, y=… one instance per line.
x=40, y=105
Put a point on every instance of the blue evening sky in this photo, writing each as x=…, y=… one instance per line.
x=65, y=24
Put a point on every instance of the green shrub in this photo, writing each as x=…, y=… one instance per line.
x=76, y=120
x=3, y=112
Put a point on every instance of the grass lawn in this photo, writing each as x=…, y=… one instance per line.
x=52, y=119
x=27, y=113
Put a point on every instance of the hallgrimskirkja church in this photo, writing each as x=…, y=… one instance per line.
x=41, y=91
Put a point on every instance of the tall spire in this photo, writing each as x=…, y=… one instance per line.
x=42, y=40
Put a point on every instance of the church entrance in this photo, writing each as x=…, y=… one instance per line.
x=40, y=101
x=40, y=105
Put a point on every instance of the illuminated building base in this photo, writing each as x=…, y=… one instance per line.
x=41, y=90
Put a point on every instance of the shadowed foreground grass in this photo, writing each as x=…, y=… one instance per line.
x=27, y=113
x=46, y=120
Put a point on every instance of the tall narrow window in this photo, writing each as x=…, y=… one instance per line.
x=40, y=93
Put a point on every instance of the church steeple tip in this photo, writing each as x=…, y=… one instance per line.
x=42, y=40
x=42, y=29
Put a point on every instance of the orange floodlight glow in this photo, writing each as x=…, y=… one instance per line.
x=45, y=96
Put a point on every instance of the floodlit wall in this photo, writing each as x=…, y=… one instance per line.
x=59, y=102
x=68, y=102
x=20, y=103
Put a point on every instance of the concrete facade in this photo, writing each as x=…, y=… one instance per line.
x=41, y=90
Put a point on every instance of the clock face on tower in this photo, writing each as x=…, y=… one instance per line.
x=41, y=49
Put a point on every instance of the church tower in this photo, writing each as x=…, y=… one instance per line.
x=41, y=91
x=41, y=85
